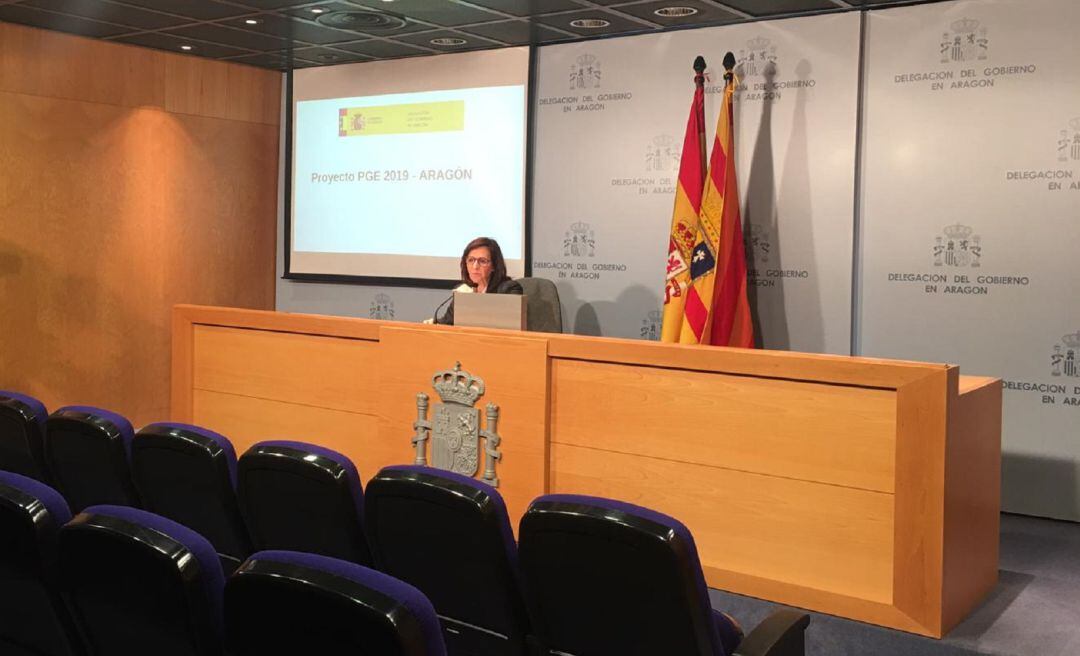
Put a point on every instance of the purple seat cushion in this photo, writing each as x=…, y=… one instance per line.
x=722, y=631
x=123, y=426
x=502, y=517
x=50, y=498
x=37, y=407
x=213, y=579
x=217, y=438
x=405, y=594
x=351, y=474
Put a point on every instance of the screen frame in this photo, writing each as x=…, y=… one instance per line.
x=394, y=281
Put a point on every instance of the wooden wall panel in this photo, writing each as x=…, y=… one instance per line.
x=112, y=210
x=973, y=497
x=326, y=372
x=54, y=65
x=246, y=420
x=844, y=435
x=750, y=523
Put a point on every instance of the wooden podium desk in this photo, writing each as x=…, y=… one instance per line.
x=859, y=487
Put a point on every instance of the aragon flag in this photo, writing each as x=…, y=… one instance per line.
x=717, y=309
x=684, y=218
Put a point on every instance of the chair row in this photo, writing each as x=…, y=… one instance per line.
x=448, y=535
x=117, y=580
x=603, y=577
x=279, y=495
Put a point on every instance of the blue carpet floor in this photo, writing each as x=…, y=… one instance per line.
x=1033, y=611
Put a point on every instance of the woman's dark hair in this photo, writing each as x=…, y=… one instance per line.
x=498, y=265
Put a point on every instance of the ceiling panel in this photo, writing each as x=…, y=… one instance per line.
x=230, y=37
x=703, y=13
x=195, y=9
x=163, y=41
x=527, y=7
x=517, y=32
x=111, y=12
x=433, y=11
x=283, y=34
x=590, y=22
x=384, y=49
x=775, y=7
x=60, y=22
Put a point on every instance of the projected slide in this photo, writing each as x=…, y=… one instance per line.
x=416, y=174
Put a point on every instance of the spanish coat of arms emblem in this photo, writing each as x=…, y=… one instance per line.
x=454, y=431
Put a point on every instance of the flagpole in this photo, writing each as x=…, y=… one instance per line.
x=699, y=81
x=684, y=216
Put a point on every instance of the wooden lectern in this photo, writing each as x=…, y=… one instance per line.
x=864, y=488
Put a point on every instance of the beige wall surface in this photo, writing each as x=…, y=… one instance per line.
x=130, y=180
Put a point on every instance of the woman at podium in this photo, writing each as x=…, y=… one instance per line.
x=483, y=271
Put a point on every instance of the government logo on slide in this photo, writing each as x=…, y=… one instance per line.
x=964, y=41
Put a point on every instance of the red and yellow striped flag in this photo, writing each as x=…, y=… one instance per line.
x=684, y=218
x=717, y=309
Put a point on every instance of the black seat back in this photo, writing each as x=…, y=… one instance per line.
x=302, y=497
x=88, y=453
x=283, y=602
x=139, y=583
x=188, y=474
x=33, y=619
x=22, y=428
x=449, y=535
x=607, y=577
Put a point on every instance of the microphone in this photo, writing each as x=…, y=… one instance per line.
x=435, y=316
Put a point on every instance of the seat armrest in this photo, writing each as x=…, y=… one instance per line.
x=783, y=633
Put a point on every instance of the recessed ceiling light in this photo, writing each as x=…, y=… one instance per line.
x=252, y=21
x=675, y=12
x=361, y=20
x=448, y=41
x=590, y=23
x=317, y=10
x=187, y=47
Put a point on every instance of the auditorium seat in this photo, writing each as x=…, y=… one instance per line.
x=543, y=310
x=302, y=497
x=449, y=535
x=88, y=450
x=33, y=619
x=284, y=602
x=139, y=583
x=606, y=577
x=22, y=428
x=188, y=474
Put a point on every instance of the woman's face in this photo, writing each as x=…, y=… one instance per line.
x=478, y=264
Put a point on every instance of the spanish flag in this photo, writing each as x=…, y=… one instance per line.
x=717, y=310
x=684, y=218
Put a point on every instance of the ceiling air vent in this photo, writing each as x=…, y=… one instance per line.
x=361, y=21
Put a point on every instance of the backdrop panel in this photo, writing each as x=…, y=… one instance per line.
x=610, y=118
x=971, y=186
